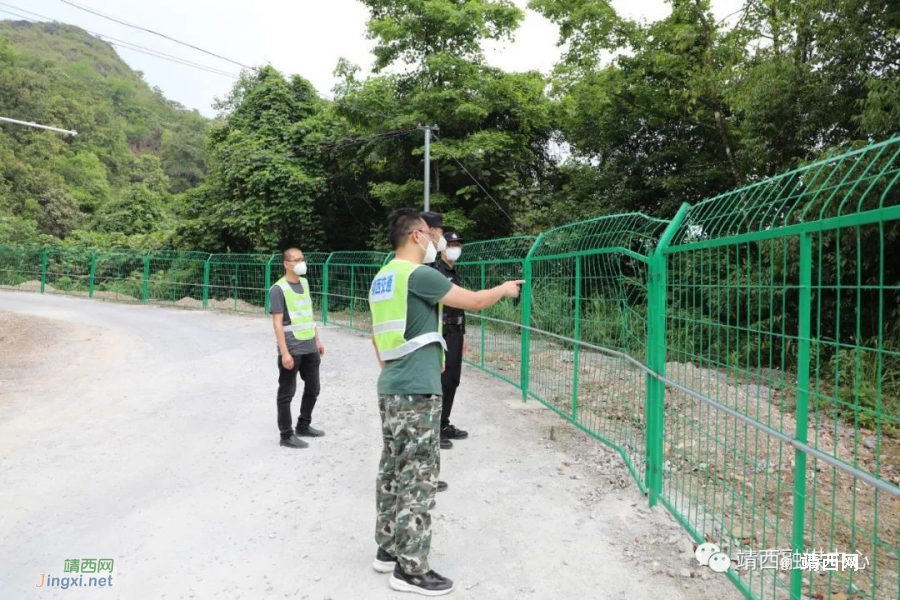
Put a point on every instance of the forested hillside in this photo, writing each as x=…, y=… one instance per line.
x=116, y=182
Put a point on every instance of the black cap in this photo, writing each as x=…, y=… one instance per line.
x=433, y=219
x=452, y=236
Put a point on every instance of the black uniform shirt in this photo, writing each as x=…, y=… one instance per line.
x=451, y=315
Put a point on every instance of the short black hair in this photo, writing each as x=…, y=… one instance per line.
x=285, y=253
x=400, y=223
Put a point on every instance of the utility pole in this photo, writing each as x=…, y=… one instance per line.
x=428, y=129
x=31, y=124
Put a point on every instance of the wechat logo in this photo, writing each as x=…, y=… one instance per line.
x=710, y=555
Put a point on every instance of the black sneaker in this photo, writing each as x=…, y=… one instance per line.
x=294, y=442
x=384, y=562
x=452, y=433
x=310, y=431
x=445, y=443
x=428, y=584
x=442, y=486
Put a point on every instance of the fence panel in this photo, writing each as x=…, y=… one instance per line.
x=119, y=275
x=239, y=282
x=782, y=307
x=493, y=337
x=349, y=276
x=177, y=278
x=588, y=282
x=68, y=271
x=21, y=268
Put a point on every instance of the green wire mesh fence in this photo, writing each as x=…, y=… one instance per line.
x=494, y=342
x=238, y=282
x=783, y=305
x=349, y=276
x=67, y=272
x=21, y=268
x=176, y=278
x=743, y=358
x=119, y=276
x=588, y=282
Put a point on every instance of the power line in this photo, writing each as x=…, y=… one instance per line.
x=124, y=44
x=141, y=28
x=162, y=35
x=155, y=54
x=17, y=15
x=478, y=183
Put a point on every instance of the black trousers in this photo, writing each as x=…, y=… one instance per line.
x=307, y=365
x=453, y=337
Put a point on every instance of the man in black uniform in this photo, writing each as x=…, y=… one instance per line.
x=435, y=222
x=455, y=336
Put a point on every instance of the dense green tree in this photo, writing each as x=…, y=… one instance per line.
x=495, y=125
x=259, y=195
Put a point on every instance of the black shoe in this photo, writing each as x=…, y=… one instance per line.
x=294, y=442
x=310, y=431
x=384, y=562
x=445, y=443
x=428, y=584
x=442, y=486
x=452, y=433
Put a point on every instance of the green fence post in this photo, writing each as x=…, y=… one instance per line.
x=145, y=294
x=655, y=405
x=268, y=282
x=206, y=281
x=483, y=286
x=93, y=274
x=525, y=372
x=802, y=411
x=325, y=290
x=577, y=350
x=43, y=269
x=19, y=273
x=352, y=284
x=234, y=287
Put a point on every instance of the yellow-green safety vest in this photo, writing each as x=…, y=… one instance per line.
x=388, y=303
x=300, y=310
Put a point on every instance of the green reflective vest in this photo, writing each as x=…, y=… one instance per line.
x=299, y=309
x=387, y=301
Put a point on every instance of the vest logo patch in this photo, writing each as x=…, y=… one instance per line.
x=383, y=288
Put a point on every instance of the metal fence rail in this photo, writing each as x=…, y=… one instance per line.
x=743, y=358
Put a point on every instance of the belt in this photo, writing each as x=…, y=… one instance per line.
x=454, y=320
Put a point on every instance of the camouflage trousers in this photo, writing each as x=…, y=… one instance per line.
x=407, y=477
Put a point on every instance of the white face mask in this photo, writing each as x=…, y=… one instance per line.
x=300, y=268
x=430, y=253
x=453, y=253
x=442, y=244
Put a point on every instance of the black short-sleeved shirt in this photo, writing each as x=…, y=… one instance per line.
x=454, y=277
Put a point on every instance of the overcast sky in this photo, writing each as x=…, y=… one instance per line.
x=306, y=37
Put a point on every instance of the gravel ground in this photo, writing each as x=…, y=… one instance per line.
x=147, y=435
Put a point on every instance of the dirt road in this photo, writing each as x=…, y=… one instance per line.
x=147, y=436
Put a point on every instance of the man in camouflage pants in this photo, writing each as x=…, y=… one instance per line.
x=409, y=467
x=405, y=300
